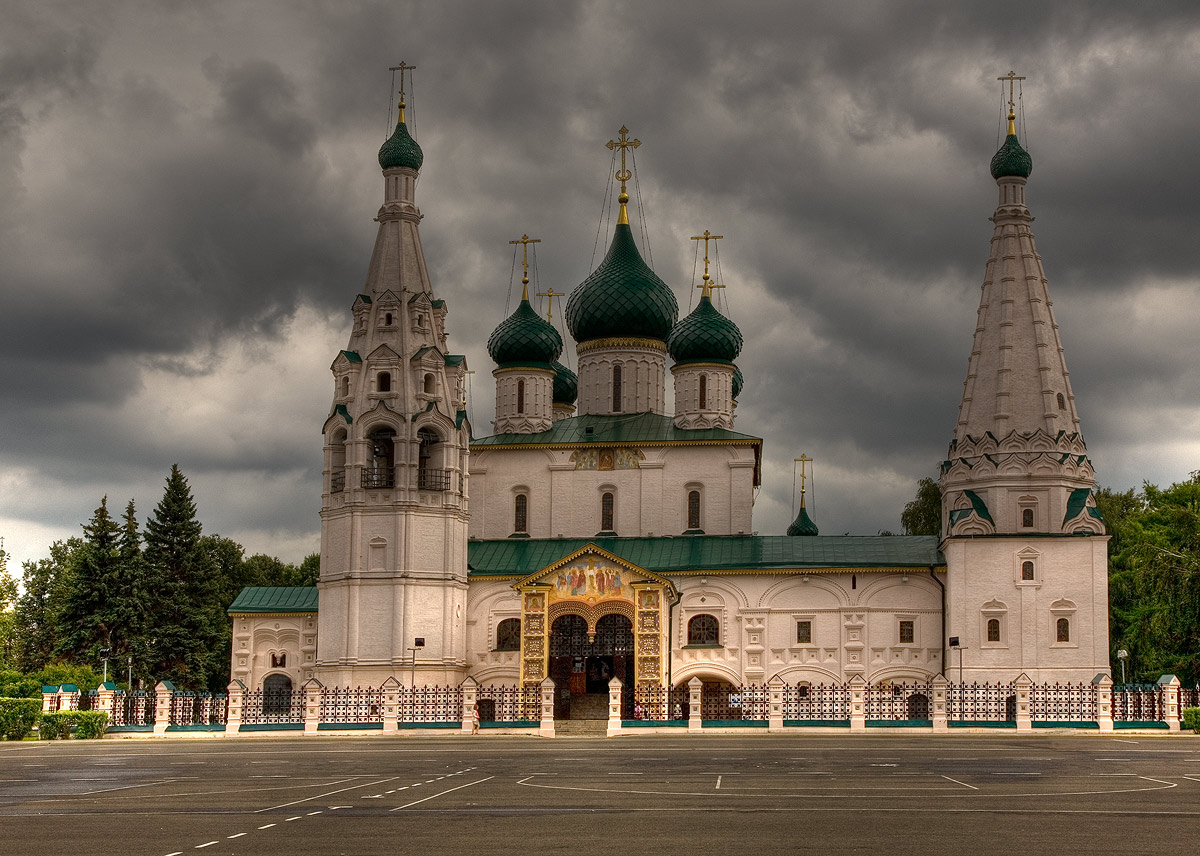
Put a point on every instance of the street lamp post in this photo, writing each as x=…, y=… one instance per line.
x=417, y=645
x=104, y=652
x=1122, y=655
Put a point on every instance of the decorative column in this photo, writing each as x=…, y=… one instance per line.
x=938, y=709
x=614, y=707
x=546, y=724
x=391, y=705
x=858, y=703
x=49, y=699
x=312, y=705
x=695, y=723
x=775, y=689
x=1024, y=716
x=470, y=697
x=105, y=693
x=163, y=692
x=1169, y=685
x=1104, y=712
x=237, y=695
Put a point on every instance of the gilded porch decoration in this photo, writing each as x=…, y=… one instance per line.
x=533, y=636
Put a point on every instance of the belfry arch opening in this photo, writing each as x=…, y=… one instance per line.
x=380, y=471
x=583, y=663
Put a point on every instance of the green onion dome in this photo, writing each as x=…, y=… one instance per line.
x=622, y=297
x=525, y=339
x=738, y=382
x=803, y=524
x=401, y=150
x=1011, y=159
x=566, y=384
x=705, y=336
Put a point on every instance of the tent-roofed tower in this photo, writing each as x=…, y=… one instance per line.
x=1017, y=484
x=394, y=505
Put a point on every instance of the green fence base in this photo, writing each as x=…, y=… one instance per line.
x=654, y=723
x=734, y=723
x=899, y=723
x=1083, y=723
x=1141, y=723
x=816, y=723
x=982, y=723
x=271, y=726
x=350, y=726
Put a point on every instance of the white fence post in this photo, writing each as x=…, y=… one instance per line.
x=391, y=705
x=237, y=696
x=546, y=722
x=1104, y=712
x=312, y=704
x=858, y=707
x=1024, y=716
x=163, y=692
x=695, y=699
x=775, y=689
x=938, y=710
x=1169, y=684
x=614, y=707
x=470, y=699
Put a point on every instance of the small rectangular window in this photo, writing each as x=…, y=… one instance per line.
x=804, y=631
x=906, y=632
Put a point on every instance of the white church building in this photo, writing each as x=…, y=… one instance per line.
x=593, y=533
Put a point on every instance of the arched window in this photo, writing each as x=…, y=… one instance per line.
x=344, y=387
x=384, y=382
x=1062, y=401
x=521, y=513
x=1063, y=627
x=607, y=502
x=430, y=384
x=279, y=661
x=337, y=462
x=380, y=470
x=1027, y=570
x=429, y=475
x=704, y=630
x=693, y=509
x=520, y=396
x=703, y=392
x=1027, y=517
x=616, y=389
x=387, y=319
x=993, y=630
x=508, y=635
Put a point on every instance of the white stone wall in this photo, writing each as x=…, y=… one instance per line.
x=643, y=377
x=718, y=394
x=651, y=499
x=527, y=414
x=256, y=636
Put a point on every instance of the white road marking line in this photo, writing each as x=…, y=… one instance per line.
x=290, y=819
x=318, y=811
x=176, y=853
x=718, y=787
x=957, y=782
x=238, y=835
x=1192, y=778
x=268, y=826
x=1160, y=781
x=1114, y=759
x=1119, y=740
x=443, y=793
x=327, y=794
x=209, y=844
x=1013, y=773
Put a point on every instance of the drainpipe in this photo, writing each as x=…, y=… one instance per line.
x=671, y=646
x=942, y=586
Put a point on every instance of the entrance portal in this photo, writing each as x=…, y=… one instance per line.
x=581, y=667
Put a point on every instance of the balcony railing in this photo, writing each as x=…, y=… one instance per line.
x=434, y=479
x=378, y=478
x=337, y=482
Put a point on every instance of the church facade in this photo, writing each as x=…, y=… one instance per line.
x=595, y=534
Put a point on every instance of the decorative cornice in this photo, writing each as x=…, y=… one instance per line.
x=621, y=342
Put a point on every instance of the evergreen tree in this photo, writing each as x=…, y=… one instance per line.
x=38, y=616
x=83, y=623
x=127, y=598
x=184, y=634
x=923, y=516
x=8, y=607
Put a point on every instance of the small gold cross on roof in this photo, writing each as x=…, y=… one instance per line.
x=802, y=460
x=550, y=294
x=402, y=68
x=525, y=241
x=705, y=286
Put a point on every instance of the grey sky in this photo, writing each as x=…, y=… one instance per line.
x=189, y=190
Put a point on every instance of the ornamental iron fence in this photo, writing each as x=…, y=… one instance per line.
x=272, y=706
x=509, y=703
x=899, y=702
x=981, y=702
x=659, y=703
x=805, y=702
x=135, y=708
x=1138, y=703
x=345, y=705
x=189, y=708
x=1063, y=702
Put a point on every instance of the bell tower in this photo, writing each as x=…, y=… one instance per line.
x=394, y=505
x=1025, y=545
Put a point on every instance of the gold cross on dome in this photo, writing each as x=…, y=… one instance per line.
x=525, y=241
x=802, y=460
x=402, y=67
x=550, y=294
x=623, y=175
x=1011, y=77
x=705, y=286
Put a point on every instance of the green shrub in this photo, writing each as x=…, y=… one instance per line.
x=17, y=717
x=88, y=724
x=1191, y=718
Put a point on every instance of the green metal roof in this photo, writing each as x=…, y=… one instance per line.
x=524, y=339
x=400, y=149
x=738, y=381
x=566, y=384
x=713, y=553
x=622, y=297
x=977, y=505
x=705, y=335
x=454, y=359
x=629, y=429
x=1011, y=159
x=1077, y=502
x=803, y=524
x=275, y=599
x=352, y=356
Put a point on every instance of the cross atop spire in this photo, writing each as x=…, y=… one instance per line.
x=705, y=286
x=525, y=241
x=802, y=460
x=550, y=294
x=402, y=68
x=1011, y=77
x=623, y=175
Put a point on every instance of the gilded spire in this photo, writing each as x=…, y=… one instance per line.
x=623, y=175
x=706, y=286
x=525, y=241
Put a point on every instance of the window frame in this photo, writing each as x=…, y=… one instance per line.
x=503, y=635
x=704, y=631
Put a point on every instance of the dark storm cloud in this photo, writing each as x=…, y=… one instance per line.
x=182, y=185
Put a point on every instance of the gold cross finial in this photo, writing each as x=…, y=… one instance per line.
x=550, y=294
x=402, y=67
x=623, y=175
x=1011, y=77
x=525, y=241
x=705, y=286
x=802, y=460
